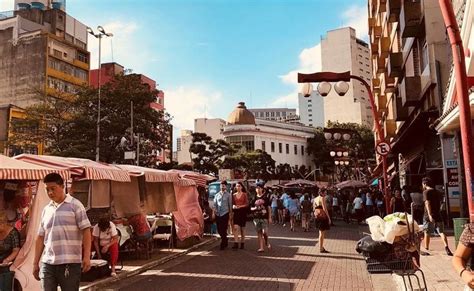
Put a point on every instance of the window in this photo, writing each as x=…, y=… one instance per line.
x=272, y=147
x=310, y=105
x=309, y=100
x=310, y=124
x=82, y=57
x=296, y=149
x=280, y=147
x=263, y=145
x=302, y=150
x=272, y=114
x=57, y=53
x=310, y=110
x=287, y=149
x=310, y=120
x=247, y=141
x=267, y=114
x=278, y=114
x=310, y=115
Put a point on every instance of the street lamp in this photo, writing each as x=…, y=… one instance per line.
x=323, y=78
x=332, y=153
x=98, y=35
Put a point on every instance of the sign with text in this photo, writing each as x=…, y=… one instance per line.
x=383, y=148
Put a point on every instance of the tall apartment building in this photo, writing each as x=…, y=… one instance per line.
x=411, y=65
x=42, y=50
x=342, y=51
x=311, y=109
x=275, y=114
x=108, y=71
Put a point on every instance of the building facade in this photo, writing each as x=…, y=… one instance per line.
x=275, y=114
x=411, y=65
x=342, y=51
x=285, y=143
x=448, y=125
x=311, y=109
x=213, y=127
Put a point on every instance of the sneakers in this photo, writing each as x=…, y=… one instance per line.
x=323, y=251
x=448, y=251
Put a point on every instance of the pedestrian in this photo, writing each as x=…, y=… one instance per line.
x=63, y=241
x=369, y=204
x=406, y=198
x=417, y=204
x=432, y=217
x=280, y=207
x=284, y=198
x=293, y=209
x=274, y=205
x=223, y=210
x=379, y=201
x=335, y=206
x=358, y=208
x=396, y=203
x=328, y=201
x=105, y=239
x=463, y=255
x=261, y=211
x=306, y=209
x=240, y=207
x=322, y=218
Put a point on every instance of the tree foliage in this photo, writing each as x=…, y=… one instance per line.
x=67, y=125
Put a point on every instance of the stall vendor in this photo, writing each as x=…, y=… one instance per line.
x=9, y=242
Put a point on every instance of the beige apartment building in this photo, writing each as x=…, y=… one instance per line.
x=342, y=51
x=411, y=65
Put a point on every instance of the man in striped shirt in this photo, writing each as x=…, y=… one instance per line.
x=63, y=241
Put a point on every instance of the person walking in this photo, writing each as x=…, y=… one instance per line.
x=379, y=201
x=284, y=198
x=223, y=210
x=432, y=217
x=306, y=208
x=293, y=209
x=358, y=208
x=369, y=204
x=261, y=217
x=281, y=215
x=240, y=207
x=322, y=218
x=63, y=241
x=274, y=205
x=396, y=203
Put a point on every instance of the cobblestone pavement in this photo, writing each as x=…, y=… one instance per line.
x=294, y=263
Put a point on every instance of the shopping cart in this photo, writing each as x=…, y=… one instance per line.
x=402, y=260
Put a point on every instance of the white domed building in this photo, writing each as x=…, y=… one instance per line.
x=285, y=142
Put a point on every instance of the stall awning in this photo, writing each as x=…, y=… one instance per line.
x=151, y=175
x=11, y=169
x=80, y=168
x=200, y=179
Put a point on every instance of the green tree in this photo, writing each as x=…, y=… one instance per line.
x=209, y=155
x=67, y=126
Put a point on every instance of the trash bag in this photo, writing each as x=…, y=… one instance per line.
x=377, y=227
x=373, y=249
x=396, y=225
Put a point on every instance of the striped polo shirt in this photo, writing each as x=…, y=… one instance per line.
x=62, y=226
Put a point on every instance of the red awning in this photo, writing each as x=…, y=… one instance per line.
x=200, y=179
x=11, y=169
x=80, y=168
x=151, y=175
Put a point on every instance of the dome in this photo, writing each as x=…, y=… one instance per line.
x=241, y=115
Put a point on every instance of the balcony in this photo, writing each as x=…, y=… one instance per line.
x=381, y=101
x=395, y=65
x=410, y=91
x=410, y=18
x=381, y=6
x=393, y=8
x=400, y=113
x=374, y=48
x=372, y=24
x=384, y=46
x=387, y=84
x=379, y=65
x=390, y=128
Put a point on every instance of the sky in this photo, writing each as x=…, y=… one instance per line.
x=208, y=55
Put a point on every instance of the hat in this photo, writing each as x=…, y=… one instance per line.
x=260, y=183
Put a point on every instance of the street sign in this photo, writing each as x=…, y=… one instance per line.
x=130, y=155
x=383, y=148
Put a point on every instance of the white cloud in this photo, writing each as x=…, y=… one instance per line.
x=121, y=48
x=356, y=17
x=6, y=5
x=188, y=102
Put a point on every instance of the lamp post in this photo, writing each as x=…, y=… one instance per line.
x=341, y=88
x=98, y=35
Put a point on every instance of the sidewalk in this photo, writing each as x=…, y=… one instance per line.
x=135, y=267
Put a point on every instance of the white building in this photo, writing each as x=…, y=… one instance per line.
x=311, y=109
x=212, y=127
x=342, y=51
x=276, y=114
x=183, y=143
x=285, y=142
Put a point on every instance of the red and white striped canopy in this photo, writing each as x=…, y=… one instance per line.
x=200, y=179
x=80, y=168
x=11, y=169
x=151, y=175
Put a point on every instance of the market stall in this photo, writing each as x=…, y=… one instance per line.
x=188, y=216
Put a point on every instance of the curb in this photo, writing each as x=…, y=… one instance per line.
x=127, y=274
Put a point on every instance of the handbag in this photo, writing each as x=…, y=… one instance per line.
x=320, y=214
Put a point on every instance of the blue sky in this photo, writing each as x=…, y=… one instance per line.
x=207, y=55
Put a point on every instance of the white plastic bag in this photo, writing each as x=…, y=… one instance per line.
x=377, y=227
x=396, y=225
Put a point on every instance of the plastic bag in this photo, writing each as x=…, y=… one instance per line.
x=374, y=249
x=377, y=227
x=396, y=225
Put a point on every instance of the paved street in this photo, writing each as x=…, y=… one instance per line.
x=293, y=264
